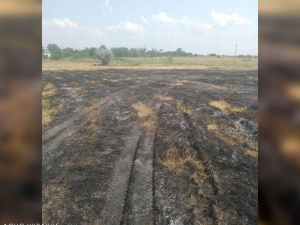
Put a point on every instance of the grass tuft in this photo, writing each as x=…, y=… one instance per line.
x=163, y=97
x=179, y=160
x=226, y=107
x=232, y=138
x=183, y=107
x=147, y=116
x=49, y=90
x=211, y=127
x=48, y=109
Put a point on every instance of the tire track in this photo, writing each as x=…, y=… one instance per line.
x=47, y=135
x=53, y=137
x=52, y=132
x=48, y=153
x=133, y=179
x=67, y=129
x=142, y=185
x=112, y=213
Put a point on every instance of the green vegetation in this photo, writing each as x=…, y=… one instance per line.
x=104, y=55
x=123, y=52
x=56, y=52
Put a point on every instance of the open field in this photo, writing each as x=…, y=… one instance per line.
x=200, y=62
x=159, y=146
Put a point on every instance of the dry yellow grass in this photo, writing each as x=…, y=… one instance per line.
x=49, y=90
x=159, y=63
x=143, y=110
x=48, y=109
x=179, y=83
x=177, y=160
x=252, y=153
x=80, y=90
x=226, y=107
x=163, y=97
x=146, y=114
x=114, y=80
x=232, y=138
x=49, y=112
x=93, y=119
x=183, y=107
x=211, y=127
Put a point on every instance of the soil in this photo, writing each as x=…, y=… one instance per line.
x=102, y=164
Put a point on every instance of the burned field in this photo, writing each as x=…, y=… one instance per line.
x=150, y=147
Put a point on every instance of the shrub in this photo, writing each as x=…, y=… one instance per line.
x=55, y=51
x=104, y=55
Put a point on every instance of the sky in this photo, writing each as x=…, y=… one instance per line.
x=197, y=26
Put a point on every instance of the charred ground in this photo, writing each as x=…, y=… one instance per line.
x=150, y=147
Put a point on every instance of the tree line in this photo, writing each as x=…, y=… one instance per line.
x=58, y=53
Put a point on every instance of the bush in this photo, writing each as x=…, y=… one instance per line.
x=55, y=51
x=104, y=55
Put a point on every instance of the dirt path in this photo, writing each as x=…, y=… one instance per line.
x=117, y=192
x=142, y=183
x=130, y=196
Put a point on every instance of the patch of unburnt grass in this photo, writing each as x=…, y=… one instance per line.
x=49, y=90
x=184, y=162
x=80, y=90
x=147, y=116
x=49, y=109
x=178, y=160
x=93, y=121
x=180, y=83
x=231, y=138
x=182, y=107
x=226, y=108
x=163, y=97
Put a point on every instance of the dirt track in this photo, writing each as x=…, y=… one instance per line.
x=104, y=154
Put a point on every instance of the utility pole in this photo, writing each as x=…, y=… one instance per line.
x=62, y=52
x=235, y=52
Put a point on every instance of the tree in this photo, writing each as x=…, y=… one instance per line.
x=103, y=47
x=121, y=52
x=104, y=55
x=84, y=53
x=56, y=52
x=68, y=52
x=92, y=52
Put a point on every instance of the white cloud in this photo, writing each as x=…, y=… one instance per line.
x=162, y=17
x=66, y=32
x=194, y=24
x=61, y=23
x=125, y=27
x=163, y=21
x=223, y=19
x=106, y=5
x=69, y=26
